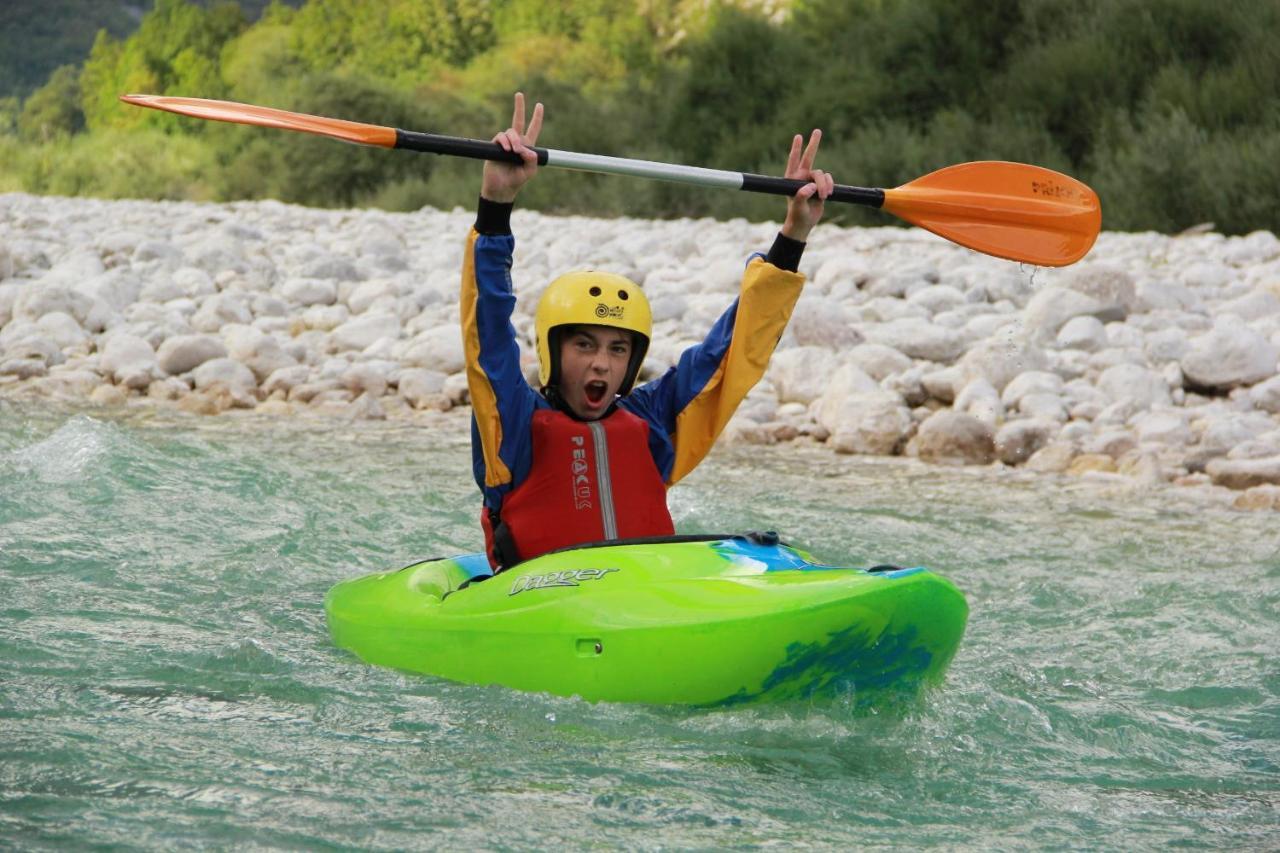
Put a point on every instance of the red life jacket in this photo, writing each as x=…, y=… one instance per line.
x=570, y=496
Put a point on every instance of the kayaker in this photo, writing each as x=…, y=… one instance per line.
x=588, y=457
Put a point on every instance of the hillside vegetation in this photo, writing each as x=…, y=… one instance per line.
x=1169, y=108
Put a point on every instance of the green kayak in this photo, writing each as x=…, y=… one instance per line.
x=683, y=620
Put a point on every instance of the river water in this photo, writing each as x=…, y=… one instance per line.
x=166, y=678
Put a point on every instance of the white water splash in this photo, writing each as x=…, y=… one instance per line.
x=69, y=453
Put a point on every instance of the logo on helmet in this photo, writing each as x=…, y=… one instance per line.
x=615, y=312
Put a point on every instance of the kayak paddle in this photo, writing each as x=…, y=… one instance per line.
x=1009, y=210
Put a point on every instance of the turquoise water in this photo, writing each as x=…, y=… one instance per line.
x=166, y=678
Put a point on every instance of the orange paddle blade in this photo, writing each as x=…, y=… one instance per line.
x=1010, y=210
x=347, y=131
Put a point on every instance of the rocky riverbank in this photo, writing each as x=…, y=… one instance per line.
x=1155, y=359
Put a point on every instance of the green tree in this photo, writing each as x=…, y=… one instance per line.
x=176, y=51
x=311, y=170
x=54, y=108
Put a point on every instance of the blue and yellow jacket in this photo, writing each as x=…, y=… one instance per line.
x=686, y=408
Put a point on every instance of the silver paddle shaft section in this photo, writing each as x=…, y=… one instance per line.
x=433, y=143
x=695, y=175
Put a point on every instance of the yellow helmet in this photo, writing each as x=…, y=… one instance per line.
x=591, y=298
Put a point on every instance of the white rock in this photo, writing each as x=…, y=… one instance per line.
x=1162, y=427
x=1019, y=439
x=1041, y=406
x=1113, y=442
x=1124, y=336
x=979, y=399
x=801, y=374
x=822, y=322
x=115, y=289
x=24, y=339
x=22, y=367
x=120, y=242
x=878, y=361
x=367, y=293
x=1031, y=382
x=1230, y=354
x=182, y=353
x=456, y=389
x=330, y=267
x=1050, y=309
x=1258, y=303
x=367, y=378
x=872, y=423
x=166, y=254
x=108, y=395
x=1252, y=249
x=1000, y=360
x=285, y=378
x=216, y=252
x=990, y=326
x=850, y=270
x=266, y=305
x=220, y=309
x=78, y=265
x=1081, y=391
x=363, y=331
x=1223, y=431
x=226, y=373
x=1129, y=382
x=1244, y=473
x=420, y=387
x=62, y=329
x=1266, y=395
x=310, y=291
x=884, y=309
x=1164, y=295
x=1169, y=344
x=919, y=339
x=669, y=306
x=944, y=384
x=8, y=295
x=1208, y=275
x=161, y=288
x=36, y=299
x=256, y=350
x=1084, y=333
x=1112, y=286
x=1007, y=283
x=193, y=282
x=325, y=318
x=128, y=360
x=909, y=384
x=955, y=438
x=938, y=298
x=1054, y=458
x=437, y=349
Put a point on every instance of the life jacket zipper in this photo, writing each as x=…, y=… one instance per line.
x=604, y=484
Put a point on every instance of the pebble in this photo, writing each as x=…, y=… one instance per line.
x=1156, y=358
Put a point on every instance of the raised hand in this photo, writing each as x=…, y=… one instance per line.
x=502, y=181
x=804, y=209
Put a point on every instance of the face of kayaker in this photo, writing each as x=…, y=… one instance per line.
x=593, y=363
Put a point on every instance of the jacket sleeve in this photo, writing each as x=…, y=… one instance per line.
x=695, y=399
x=502, y=402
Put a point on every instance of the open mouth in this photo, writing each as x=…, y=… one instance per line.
x=595, y=391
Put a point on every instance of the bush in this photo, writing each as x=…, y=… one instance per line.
x=118, y=164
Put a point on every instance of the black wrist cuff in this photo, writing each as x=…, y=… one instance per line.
x=493, y=218
x=785, y=253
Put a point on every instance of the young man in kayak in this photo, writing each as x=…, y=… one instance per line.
x=589, y=458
